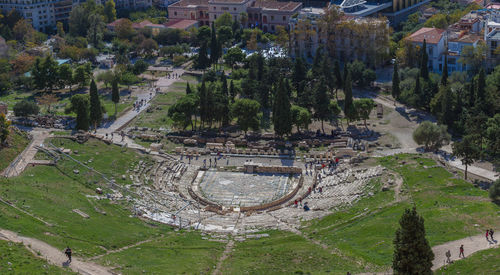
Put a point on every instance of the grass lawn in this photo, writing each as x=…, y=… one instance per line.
x=449, y=206
x=23, y=261
x=159, y=117
x=12, y=98
x=51, y=193
x=480, y=263
x=176, y=253
x=284, y=253
x=17, y=143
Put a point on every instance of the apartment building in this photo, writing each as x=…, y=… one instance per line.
x=270, y=14
x=42, y=14
x=190, y=10
x=435, y=40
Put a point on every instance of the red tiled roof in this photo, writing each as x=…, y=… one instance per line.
x=180, y=24
x=430, y=35
x=185, y=3
x=116, y=22
x=275, y=5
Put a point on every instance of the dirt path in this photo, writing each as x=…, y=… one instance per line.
x=23, y=159
x=120, y=249
x=53, y=255
x=471, y=245
x=225, y=255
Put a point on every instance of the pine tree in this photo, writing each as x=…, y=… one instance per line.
x=225, y=101
x=424, y=70
x=115, y=93
x=412, y=252
x=418, y=91
x=321, y=103
x=95, y=106
x=444, y=76
x=282, y=116
x=349, y=110
x=188, y=89
x=396, y=90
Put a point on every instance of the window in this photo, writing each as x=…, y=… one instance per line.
x=234, y=9
x=431, y=50
x=215, y=8
x=284, y=18
x=175, y=13
x=224, y=8
x=272, y=17
x=215, y=16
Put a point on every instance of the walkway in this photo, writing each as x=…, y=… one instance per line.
x=471, y=245
x=26, y=157
x=144, y=94
x=53, y=255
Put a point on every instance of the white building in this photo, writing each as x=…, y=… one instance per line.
x=492, y=40
x=435, y=40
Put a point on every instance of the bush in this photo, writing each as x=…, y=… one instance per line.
x=430, y=135
x=179, y=60
x=26, y=108
x=495, y=191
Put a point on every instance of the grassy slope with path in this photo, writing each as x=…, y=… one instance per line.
x=175, y=253
x=23, y=261
x=17, y=143
x=284, y=253
x=451, y=207
x=480, y=263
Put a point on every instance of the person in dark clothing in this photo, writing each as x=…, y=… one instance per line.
x=461, y=251
x=491, y=234
x=68, y=253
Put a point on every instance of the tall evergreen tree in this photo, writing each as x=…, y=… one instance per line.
x=232, y=91
x=444, y=76
x=95, y=106
x=204, y=108
x=480, y=101
x=424, y=59
x=225, y=101
x=115, y=93
x=318, y=59
x=282, y=116
x=203, y=61
x=299, y=72
x=349, y=110
x=214, y=46
x=321, y=103
x=396, y=89
x=338, y=78
x=80, y=106
x=326, y=71
x=447, y=115
x=188, y=89
x=418, y=92
x=412, y=252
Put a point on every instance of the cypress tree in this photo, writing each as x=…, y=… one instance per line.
x=299, y=72
x=188, y=89
x=481, y=88
x=225, y=101
x=418, y=91
x=412, y=252
x=447, y=106
x=321, y=103
x=396, y=90
x=95, y=105
x=444, y=76
x=203, y=61
x=115, y=93
x=338, y=78
x=203, y=103
x=424, y=70
x=282, y=116
x=349, y=110
x=214, y=47
x=232, y=91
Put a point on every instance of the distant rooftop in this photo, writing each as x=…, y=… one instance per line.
x=275, y=5
x=430, y=35
x=190, y=3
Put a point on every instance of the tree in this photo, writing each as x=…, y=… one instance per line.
x=299, y=72
x=23, y=31
x=38, y=74
x=202, y=62
x=214, y=46
x=115, y=93
x=233, y=56
x=412, y=252
x=473, y=57
x=95, y=106
x=396, y=90
x=65, y=76
x=493, y=135
x=183, y=110
x=60, y=29
x=107, y=77
x=128, y=79
x=51, y=72
x=363, y=108
x=47, y=100
x=148, y=46
x=321, y=102
x=246, y=111
x=338, y=78
x=282, y=116
x=494, y=188
x=188, y=88
x=232, y=91
x=424, y=59
x=224, y=35
x=81, y=76
x=444, y=76
x=26, y=108
x=447, y=115
x=224, y=20
x=95, y=29
x=301, y=117
x=80, y=106
x=124, y=29
x=110, y=11
x=468, y=150
x=417, y=92
x=349, y=110
x=430, y=135
x=4, y=128
x=203, y=35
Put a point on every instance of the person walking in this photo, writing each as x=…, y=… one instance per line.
x=461, y=252
x=487, y=232
x=68, y=253
x=448, y=256
x=491, y=234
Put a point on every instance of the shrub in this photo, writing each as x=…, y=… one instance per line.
x=26, y=108
x=495, y=191
x=430, y=135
